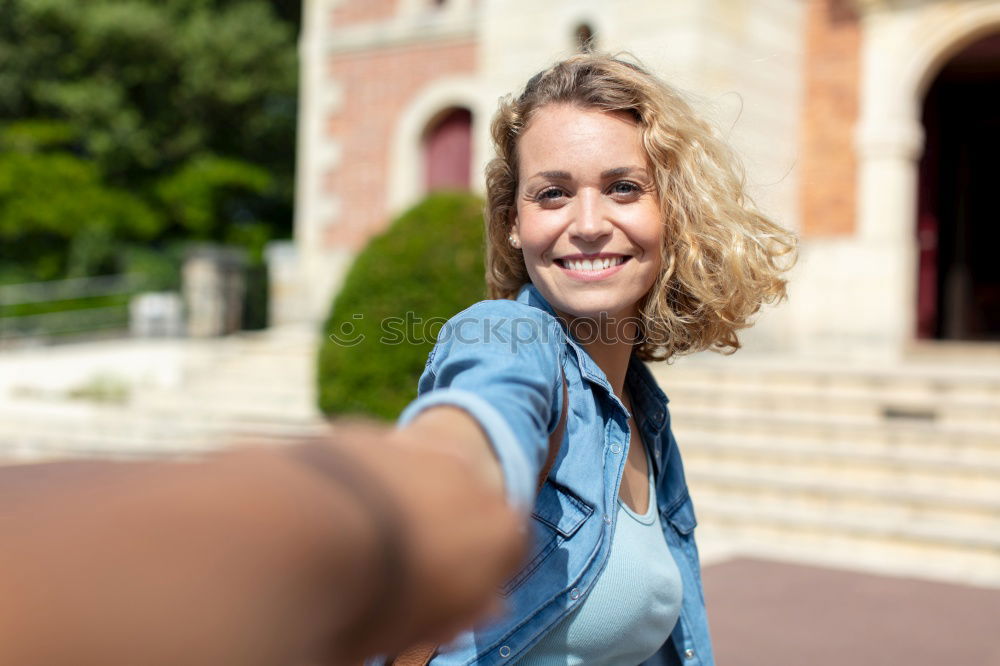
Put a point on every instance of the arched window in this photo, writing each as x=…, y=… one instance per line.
x=586, y=41
x=448, y=151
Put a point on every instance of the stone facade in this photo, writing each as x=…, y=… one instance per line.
x=820, y=98
x=856, y=294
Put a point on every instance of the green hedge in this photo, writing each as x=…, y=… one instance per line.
x=402, y=287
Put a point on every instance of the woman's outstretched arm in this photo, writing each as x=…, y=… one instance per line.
x=454, y=431
x=319, y=552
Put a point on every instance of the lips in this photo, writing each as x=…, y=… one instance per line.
x=591, y=264
x=592, y=268
x=594, y=263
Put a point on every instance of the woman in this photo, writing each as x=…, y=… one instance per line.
x=618, y=231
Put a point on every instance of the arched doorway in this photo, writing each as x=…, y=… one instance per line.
x=448, y=151
x=958, y=220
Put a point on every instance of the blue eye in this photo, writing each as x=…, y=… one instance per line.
x=624, y=187
x=550, y=193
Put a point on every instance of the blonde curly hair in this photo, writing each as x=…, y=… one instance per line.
x=722, y=259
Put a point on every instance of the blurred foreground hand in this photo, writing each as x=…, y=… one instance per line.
x=319, y=552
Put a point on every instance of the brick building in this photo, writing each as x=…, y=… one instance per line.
x=866, y=125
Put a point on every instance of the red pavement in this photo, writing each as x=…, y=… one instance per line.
x=766, y=613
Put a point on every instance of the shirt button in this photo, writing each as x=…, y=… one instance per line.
x=574, y=594
x=656, y=453
x=616, y=448
x=689, y=654
x=607, y=518
x=505, y=651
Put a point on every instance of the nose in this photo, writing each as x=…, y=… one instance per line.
x=591, y=219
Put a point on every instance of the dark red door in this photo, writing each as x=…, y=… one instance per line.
x=448, y=152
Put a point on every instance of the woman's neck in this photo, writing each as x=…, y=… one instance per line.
x=613, y=360
x=611, y=349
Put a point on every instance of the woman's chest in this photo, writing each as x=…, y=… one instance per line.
x=604, y=450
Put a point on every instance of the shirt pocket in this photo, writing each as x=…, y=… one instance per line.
x=682, y=518
x=558, y=515
x=682, y=521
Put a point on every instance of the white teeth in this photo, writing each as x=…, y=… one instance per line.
x=592, y=264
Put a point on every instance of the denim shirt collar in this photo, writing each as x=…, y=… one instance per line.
x=650, y=400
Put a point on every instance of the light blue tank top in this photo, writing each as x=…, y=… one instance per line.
x=631, y=609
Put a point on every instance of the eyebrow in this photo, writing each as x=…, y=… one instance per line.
x=610, y=173
x=622, y=171
x=554, y=175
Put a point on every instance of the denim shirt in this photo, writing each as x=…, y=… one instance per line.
x=502, y=361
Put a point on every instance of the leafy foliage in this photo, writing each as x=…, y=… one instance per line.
x=149, y=84
x=207, y=190
x=58, y=219
x=425, y=268
x=126, y=122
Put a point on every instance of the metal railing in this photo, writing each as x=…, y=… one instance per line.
x=64, y=308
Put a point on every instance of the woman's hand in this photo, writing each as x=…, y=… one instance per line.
x=461, y=540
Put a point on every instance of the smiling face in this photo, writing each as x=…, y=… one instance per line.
x=587, y=218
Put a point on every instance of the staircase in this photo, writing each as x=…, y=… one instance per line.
x=892, y=469
x=254, y=386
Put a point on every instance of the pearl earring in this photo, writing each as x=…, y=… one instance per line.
x=514, y=243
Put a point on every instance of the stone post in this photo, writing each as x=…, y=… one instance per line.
x=214, y=288
x=285, y=297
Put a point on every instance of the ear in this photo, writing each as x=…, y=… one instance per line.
x=515, y=229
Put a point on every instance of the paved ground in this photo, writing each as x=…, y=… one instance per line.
x=776, y=614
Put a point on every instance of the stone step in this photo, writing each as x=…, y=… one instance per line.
x=777, y=446
x=933, y=451
x=781, y=513
x=982, y=380
x=165, y=412
x=286, y=377
x=135, y=435
x=946, y=551
x=831, y=428
x=264, y=386
x=252, y=369
x=267, y=355
x=252, y=403
x=37, y=447
x=870, y=404
x=252, y=385
x=132, y=439
x=114, y=420
x=854, y=463
x=901, y=503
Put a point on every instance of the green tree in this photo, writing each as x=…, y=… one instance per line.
x=147, y=96
x=57, y=217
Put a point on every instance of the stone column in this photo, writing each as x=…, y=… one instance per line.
x=889, y=154
x=889, y=146
x=214, y=287
x=156, y=314
x=285, y=297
